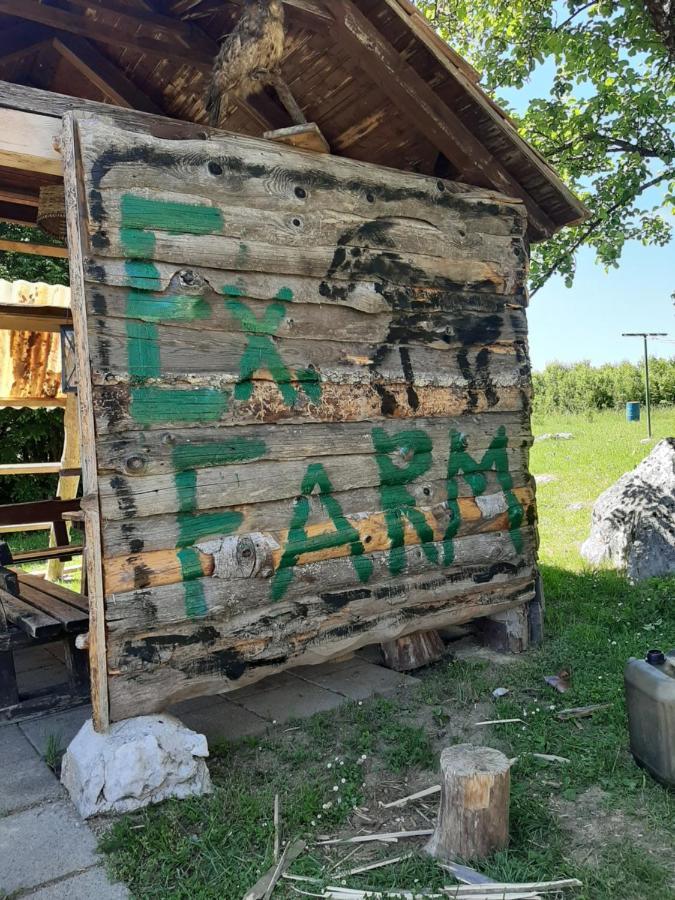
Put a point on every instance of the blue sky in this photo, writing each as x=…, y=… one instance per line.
x=586, y=321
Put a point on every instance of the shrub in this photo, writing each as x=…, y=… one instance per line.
x=581, y=387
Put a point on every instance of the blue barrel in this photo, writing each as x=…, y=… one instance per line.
x=633, y=412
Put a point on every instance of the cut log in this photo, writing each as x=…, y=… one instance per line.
x=473, y=816
x=507, y=631
x=413, y=651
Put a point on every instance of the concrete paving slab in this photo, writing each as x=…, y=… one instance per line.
x=294, y=699
x=85, y=886
x=220, y=720
x=273, y=683
x=63, y=726
x=44, y=843
x=46, y=676
x=356, y=678
x=24, y=778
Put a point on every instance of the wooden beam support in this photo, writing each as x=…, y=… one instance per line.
x=27, y=142
x=425, y=109
x=87, y=27
x=103, y=74
x=33, y=249
x=170, y=27
x=20, y=198
x=22, y=317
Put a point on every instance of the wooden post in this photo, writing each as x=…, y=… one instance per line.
x=507, y=631
x=413, y=651
x=68, y=484
x=473, y=816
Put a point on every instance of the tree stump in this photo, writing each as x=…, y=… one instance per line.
x=413, y=651
x=473, y=816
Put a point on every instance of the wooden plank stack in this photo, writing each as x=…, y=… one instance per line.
x=310, y=390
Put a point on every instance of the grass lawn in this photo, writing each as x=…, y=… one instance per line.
x=599, y=818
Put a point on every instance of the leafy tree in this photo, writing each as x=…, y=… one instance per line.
x=607, y=125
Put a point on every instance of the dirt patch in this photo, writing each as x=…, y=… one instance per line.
x=592, y=825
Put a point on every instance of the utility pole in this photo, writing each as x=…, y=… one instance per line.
x=644, y=335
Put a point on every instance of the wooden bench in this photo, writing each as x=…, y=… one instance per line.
x=32, y=612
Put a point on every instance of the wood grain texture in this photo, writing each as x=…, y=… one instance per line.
x=311, y=389
x=76, y=229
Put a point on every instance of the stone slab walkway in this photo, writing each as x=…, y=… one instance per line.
x=48, y=853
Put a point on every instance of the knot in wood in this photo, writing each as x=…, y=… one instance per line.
x=135, y=464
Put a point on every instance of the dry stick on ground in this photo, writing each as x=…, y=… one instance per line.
x=376, y=865
x=262, y=889
x=434, y=789
x=379, y=836
x=277, y=830
x=496, y=722
x=580, y=712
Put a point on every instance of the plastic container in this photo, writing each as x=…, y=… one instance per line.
x=650, y=700
x=633, y=411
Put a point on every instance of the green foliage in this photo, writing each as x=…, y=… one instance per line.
x=581, y=387
x=15, y=266
x=30, y=435
x=607, y=124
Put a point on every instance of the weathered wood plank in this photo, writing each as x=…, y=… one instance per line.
x=447, y=319
x=373, y=530
x=132, y=352
x=75, y=217
x=120, y=408
x=125, y=537
x=488, y=558
x=243, y=171
x=195, y=659
x=161, y=452
x=366, y=293
x=470, y=235
x=261, y=481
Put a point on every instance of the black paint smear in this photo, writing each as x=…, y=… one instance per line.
x=231, y=664
x=99, y=240
x=142, y=575
x=413, y=399
x=125, y=497
x=99, y=304
x=147, y=648
x=502, y=568
x=341, y=598
x=95, y=271
x=135, y=544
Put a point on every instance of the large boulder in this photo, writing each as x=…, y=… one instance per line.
x=633, y=524
x=136, y=762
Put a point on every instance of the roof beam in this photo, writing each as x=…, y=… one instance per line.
x=33, y=249
x=425, y=109
x=102, y=73
x=27, y=142
x=85, y=26
x=171, y=28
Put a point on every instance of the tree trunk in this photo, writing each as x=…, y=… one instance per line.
x=473, y=816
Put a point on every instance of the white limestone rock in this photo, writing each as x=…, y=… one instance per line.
x=633, y=524
x=135, y=763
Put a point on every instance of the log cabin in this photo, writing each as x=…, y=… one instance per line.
x=303, y=378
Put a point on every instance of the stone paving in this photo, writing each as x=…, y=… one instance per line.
x=47, y=852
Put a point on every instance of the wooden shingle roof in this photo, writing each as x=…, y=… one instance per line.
x=381, y=85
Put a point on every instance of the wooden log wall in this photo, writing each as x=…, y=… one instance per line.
x=311, y=395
